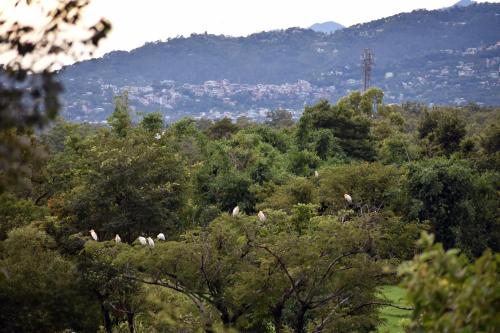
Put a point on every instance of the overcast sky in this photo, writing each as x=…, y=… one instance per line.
x=138, y=21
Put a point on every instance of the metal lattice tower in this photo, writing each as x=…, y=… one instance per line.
x=367, y=62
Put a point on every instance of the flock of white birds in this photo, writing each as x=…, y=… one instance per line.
x=161, y=237
x=143, y=240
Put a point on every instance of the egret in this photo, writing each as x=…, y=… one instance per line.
x=142, y=240
x=316, y=173
x=262, y=216
x=157, y=136
x=151, y=242
x=94, y=235
x=118, y=239
x=236, y=211
x=161, y=236
x=348, y=198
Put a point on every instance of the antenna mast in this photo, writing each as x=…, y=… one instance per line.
x=367, y=62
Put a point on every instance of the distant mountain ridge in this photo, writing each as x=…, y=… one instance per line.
x=444, y=56
x=326, y=27
x=464, y=3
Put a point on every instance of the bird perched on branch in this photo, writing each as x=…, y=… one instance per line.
x=262, y=216
x=94, y=235
x=151, y=242
x=348, y=198
x=118, y=239
x=236, y=211
x=142, y=240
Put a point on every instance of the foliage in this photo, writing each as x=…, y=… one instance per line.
x=119, y=298
x=349, y=122
x=459, y=203
x=127, y=185
x=371, y=186
x=120, y=120
x=223, y=128
x=230, y=264
x=443, y=129
x=29, y=90
x=449, y=293
x=152, y=122
x=279, y=119
x=41, y=291
x=314, y=262
x=16, y=213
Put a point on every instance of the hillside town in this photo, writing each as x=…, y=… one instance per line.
x=215, y=99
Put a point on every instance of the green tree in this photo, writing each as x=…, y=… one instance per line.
x=29, y=94
x=459, y=203
x=222, y=129
x=311, y=284
x=16, y=213
x=372, y=187
x=41, y=291
x=119, y=298
x=295, y=191
x=279, y=118
x=152, y=122
x=303, y=163
x=120, y=120
x=126, y=185
x=451, y=294
x=348, y=121
x=443, y=128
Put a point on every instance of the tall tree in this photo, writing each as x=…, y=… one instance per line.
x=29, y=90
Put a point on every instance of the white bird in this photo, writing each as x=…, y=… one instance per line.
x=142, y=240
x=94, y=235
x=236, y=211
x=161, y=236
x=157, y=136
x=348, y=198
x=316, y=173
x=151, y=242
x=262, y=216
x=118, y=239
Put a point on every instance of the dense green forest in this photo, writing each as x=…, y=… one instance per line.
x=248, y=227
x=354, y=215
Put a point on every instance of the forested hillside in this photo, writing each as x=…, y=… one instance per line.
x=447, y=56
x=274, y=227
x=353, y=215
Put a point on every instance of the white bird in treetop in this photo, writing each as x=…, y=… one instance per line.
x=161, y=236
x=262, y=216
x=142, y=240
x=348, y=198
x=118, y=239
x=236, y=211
x=94, y=235
x=151, y=242
x=316, y=174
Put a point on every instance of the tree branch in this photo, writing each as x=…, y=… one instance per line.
x=381, y=304
x=281, y=263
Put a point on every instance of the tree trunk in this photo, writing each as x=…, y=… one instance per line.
x=130, y=321
x=278, y=318
x=108, y=326
x=300, y=320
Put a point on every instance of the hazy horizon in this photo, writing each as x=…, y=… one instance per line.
x=134, y=26
x=156, y=20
